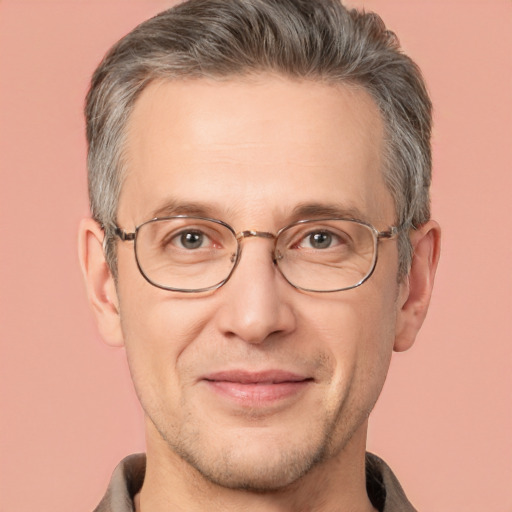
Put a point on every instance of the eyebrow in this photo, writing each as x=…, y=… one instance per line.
x=327, y=210
x=314, y=210
x=171, y=207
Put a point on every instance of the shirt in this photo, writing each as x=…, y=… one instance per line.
x=383, y=488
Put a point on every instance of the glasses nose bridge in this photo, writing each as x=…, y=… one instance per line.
x=250, y=233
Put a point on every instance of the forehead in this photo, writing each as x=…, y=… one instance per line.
x=244, y=147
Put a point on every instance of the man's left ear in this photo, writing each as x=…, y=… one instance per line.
x=416, y=288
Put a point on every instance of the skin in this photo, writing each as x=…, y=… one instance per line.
x=250, y=152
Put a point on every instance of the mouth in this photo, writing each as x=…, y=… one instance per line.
x=253, y=389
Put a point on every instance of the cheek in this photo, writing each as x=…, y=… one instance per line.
x=158, y=330
x=357, y=333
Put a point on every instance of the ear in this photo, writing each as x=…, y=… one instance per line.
x=99, y=282
x=416, y=287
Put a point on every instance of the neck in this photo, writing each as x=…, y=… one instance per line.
x=338, y=483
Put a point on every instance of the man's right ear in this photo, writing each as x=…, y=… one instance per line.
x=99, y=282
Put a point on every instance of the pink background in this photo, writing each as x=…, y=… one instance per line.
x=68, y=413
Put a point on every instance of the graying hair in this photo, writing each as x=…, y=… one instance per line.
x=306, y=39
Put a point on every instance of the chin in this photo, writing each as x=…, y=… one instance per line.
x=253, y=461
x=262, y=474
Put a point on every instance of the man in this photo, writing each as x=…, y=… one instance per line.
x=260, y=243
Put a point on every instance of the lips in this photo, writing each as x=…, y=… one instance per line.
x=263, y=377
x=256, y=388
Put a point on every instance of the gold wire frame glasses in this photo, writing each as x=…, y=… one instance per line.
x=197, y=254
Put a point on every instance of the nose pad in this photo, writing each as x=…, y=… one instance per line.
x=277, y=256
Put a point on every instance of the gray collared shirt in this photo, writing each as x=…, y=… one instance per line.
x=383, y=488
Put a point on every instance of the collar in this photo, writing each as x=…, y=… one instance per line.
x=384, y=490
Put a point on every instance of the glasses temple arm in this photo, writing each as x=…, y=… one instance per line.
x=123, y=235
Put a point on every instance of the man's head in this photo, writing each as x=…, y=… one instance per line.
x=318, y=41
x=259, y=114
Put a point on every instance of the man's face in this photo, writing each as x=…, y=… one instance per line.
x=257, y=382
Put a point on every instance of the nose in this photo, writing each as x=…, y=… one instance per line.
x=256, y=301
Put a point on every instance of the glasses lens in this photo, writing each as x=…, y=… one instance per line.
x=185, y=253
x=326, y=255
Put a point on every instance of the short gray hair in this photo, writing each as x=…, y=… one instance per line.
x=305, y=39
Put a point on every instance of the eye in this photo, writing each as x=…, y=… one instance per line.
x=190, y=239
x=320, y=240
x=185, y=237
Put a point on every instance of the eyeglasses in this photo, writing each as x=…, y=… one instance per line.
x=196, y=254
